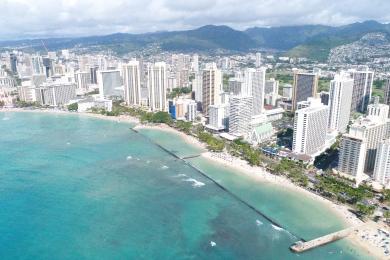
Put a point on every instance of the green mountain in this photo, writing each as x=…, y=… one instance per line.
x=319, y=46
x=286, y=37
x=206, y=38
x=312, y=41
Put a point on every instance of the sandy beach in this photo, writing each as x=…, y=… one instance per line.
x=163, y=127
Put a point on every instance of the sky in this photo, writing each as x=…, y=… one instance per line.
x=56, y=18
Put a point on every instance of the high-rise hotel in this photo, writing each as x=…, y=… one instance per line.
x=211, y=87
x=132, y=83
x=340, y=99
x=157, y=86
x=362, y=88
x=310, y=126
x=305, y=85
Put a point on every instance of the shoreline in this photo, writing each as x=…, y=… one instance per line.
x=119, y=119
x=165, y=128
x=258, y=174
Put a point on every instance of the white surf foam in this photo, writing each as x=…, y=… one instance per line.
x=68, y=143
x=129, y=157
x=164, y=167
x=277, y=228
x=195, y=183
x=258, y=222
x=213, y=244
x=5, y=118
x=180, y=175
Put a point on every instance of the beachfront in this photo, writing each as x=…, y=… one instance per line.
x=364, y=238
x=364, y=235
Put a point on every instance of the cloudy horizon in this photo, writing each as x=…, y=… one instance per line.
x=71, y=18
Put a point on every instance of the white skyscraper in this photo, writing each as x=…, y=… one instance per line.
x=197, y=86
x=254, y=84
x=310, y=125
x=352, y=156
x=132, y=83
x=372, y=131
x=83, y=80
x=191, y=111
x=37, y=65
x=258, y=60
x=110, y=83
x=382, y=163
x=211, y=87
x=340, y=99
x=157, y=85
x=195, y=63
x=240, y=115
x=218, y=115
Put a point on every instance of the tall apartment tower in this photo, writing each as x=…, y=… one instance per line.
x=13, y=62
x=37, y=65
x=340, y=99
x=372, y=131
x=211, y=87
x=195, y=62
x=197, y=86
x=258, y=85
x=157, y=86
x=382, y=163
x=132, y=83
x=362, y=88
x=258, y=59
x=240, y=115
x=305, y=85
x=352, y=155
x=83, y=80
x=310, y=125
x=254, y=85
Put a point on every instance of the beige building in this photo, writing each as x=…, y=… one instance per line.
x=211, y=87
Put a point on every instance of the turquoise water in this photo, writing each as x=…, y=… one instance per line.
x=73, y=187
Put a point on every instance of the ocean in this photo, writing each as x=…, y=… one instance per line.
x=74, y=187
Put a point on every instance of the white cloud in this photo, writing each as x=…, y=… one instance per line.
x=27, y=18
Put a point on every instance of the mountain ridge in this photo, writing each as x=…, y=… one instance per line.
x=312, y=41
